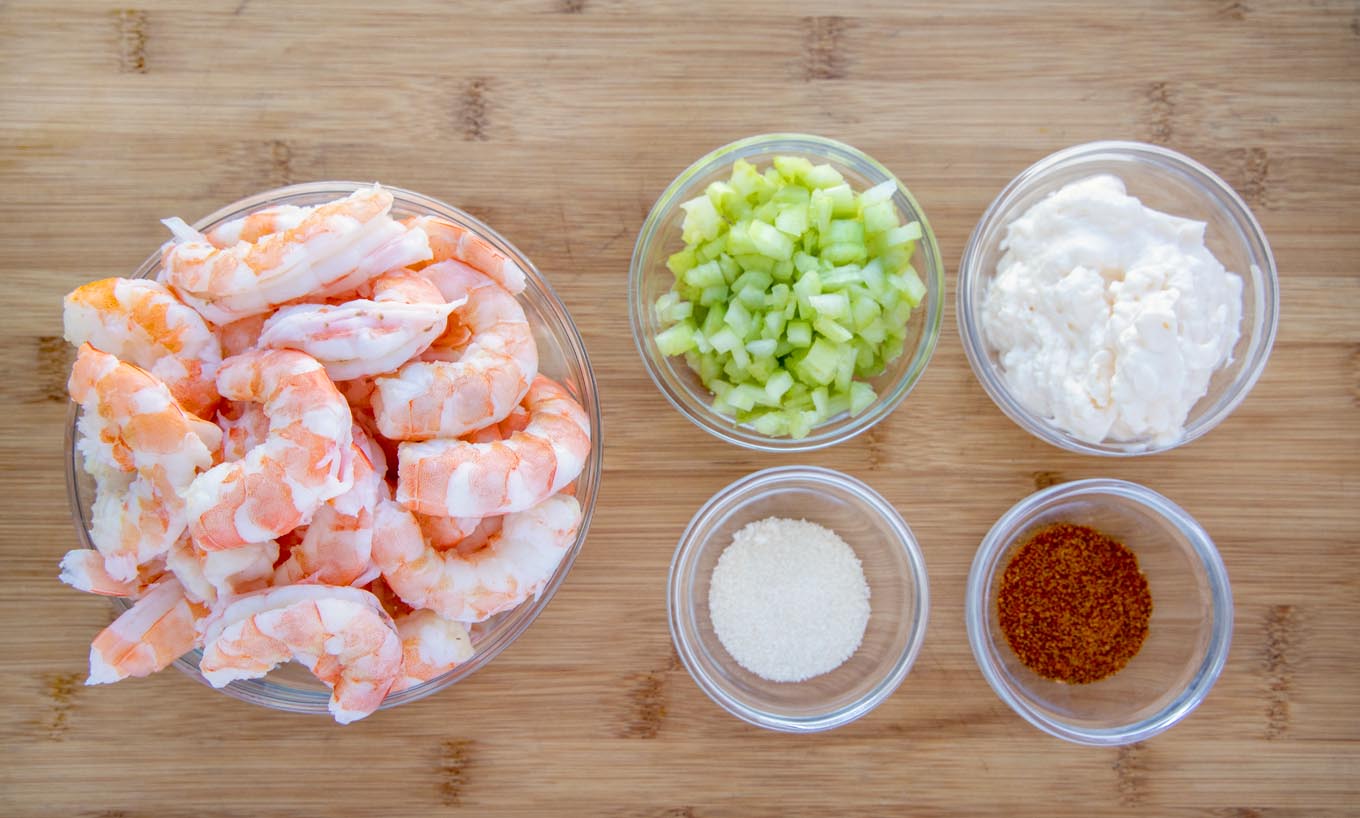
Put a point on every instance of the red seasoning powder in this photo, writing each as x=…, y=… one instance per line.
x=1073, y=604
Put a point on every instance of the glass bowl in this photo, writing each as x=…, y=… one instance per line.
x=562, y=356
x=1188, y=635
x=648, y=279
x=898, y=598
x=1164, y=180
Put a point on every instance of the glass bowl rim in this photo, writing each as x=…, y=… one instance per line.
x=680, y=606
x=1164, y=160
x=309, y=701
x=703, y=416
x=977, y=601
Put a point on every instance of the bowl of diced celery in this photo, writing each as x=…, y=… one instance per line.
x=785, y=292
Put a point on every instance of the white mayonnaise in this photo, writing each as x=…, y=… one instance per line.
x=1109, y=317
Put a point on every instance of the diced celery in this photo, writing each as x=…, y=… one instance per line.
x=701, y=343
x=820, y=208
x=845, y=253
x=770, y=242
x=830, y=305
x=664, y=303
x=760, y=369
x=845, y=368
x=842, y=201
x=681, y=262
x=716, y=294
x=702, y=220
x=799, y=333
x=863, y=311
x=840, y=278
x=810, y=283
x=911, y=231
x=755, y=280
x=913, y=287
x=729, y=266
x=804, y=262
x=725, y=340
x=774, y=324
x=778, y=384
x=823, y=176
x=879, y=193
x=738, y=318
x=791, y=195
x=705, y=275
x=765, y=212
x=762, y=347
x=753, y=261
x=819, y=365
x=820, y=399
x=723, y=196
x=746, y=179
x=778, y=295
x=843, y=231
x=831, y=330
x=793, y=168
x=744, y=396
x=741, y=358
x=879, y=218
x=872, y=275
x=677, y=340
x=753, y=298
x=772, y=180
x=792, y=220
x=801, y=423
x=712, y=249
x=861, y=396
x=783, y=270
x=771, y=424
x=873, y=332
x=739, y=238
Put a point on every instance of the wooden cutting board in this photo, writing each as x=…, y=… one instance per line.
x=559, y=122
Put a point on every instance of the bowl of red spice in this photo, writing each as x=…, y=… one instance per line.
x=1099, y=611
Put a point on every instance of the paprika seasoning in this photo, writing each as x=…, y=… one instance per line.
x=1073, y=604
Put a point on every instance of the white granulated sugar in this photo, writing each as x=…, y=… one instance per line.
x=788, y=599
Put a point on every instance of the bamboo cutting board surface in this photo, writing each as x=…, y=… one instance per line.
x=559, y=122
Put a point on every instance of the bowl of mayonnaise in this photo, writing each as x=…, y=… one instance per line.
x=1117, y=298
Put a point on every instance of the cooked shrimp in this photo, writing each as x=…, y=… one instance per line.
x=515, y=563
x=430, y=646
x=452, y=242
x=244, y=426
x=159, y=628
x=333, y=249
x=143, y=323
x=455, y=478
x=365, y=337
x=463, y=533
x=447, y=399
x=337, y=548
x=255, y=226
x=242, y=335
x=280, y=483
x=342, y=635
x=145, y=450
x=211, y=576
x=84, y=570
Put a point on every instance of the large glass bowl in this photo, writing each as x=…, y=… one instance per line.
x=648, y=279
x=1188, y=635
x=562, y=356
x=1163, y=180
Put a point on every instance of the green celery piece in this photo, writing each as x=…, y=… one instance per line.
x=729, y=266
x=911, y=231
x=783, y=271
x=913, y=287
x=716, y=294
x=755, y=261
x=831, y=330
x=819, y=365
x=739, y=238
x=845, y=253
x=845, y=368
x=725, y=339
x=770, y=242
x=861, y=397
x=760, y=348
x=765, y=212
x=682, y=262
x=663, y=305
x=677, y=340
x=711, y=249
x=771, y=424
x=880, y=218
x=803, y=262
x=820, y=208
x=778, y=385
x=746, y=179
x=703, y=275
x=820, y=398
x=794, y=169
x=792, y=220
x=753, y=279
x=742, y=359
x=702, y=220
x=823, y=176
x=774, y=325
x=843, y=231
x=830, y=305
x=752, y=298
x=778, y=295
x=723, y=196
x=744, y=396
x=841, y=278
x=791, y=195
x=738, y=318
x=842, y=201
x=801, y=423
x=863, y=310
x=879, y=193
x=772, y=182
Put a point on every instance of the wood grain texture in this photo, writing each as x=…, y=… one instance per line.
x=560, y=121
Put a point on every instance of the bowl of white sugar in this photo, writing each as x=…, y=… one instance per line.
x=1117, y=298
x=798, y=599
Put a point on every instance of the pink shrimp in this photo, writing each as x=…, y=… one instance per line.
x=365, y=337
x=342, y=635
x=455, y=478
x=159, y=628
x=255, y=226
x=143, y=323
x=430, y=646
x=143, y=449
x=84, y=570
x=333, y=249
x=449, y=398
x=303, y=462
x=336, y=550
x=515, y=563
x=453, y=242
x=244, y=426
x=211, y=576
x=242, y=335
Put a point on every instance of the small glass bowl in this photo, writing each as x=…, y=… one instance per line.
x=562, y=356
x=1188, y=635
x=898, y=598
x=648, y=279
x=1163, y=180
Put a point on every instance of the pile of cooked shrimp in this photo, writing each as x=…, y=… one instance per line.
x=319, y=435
